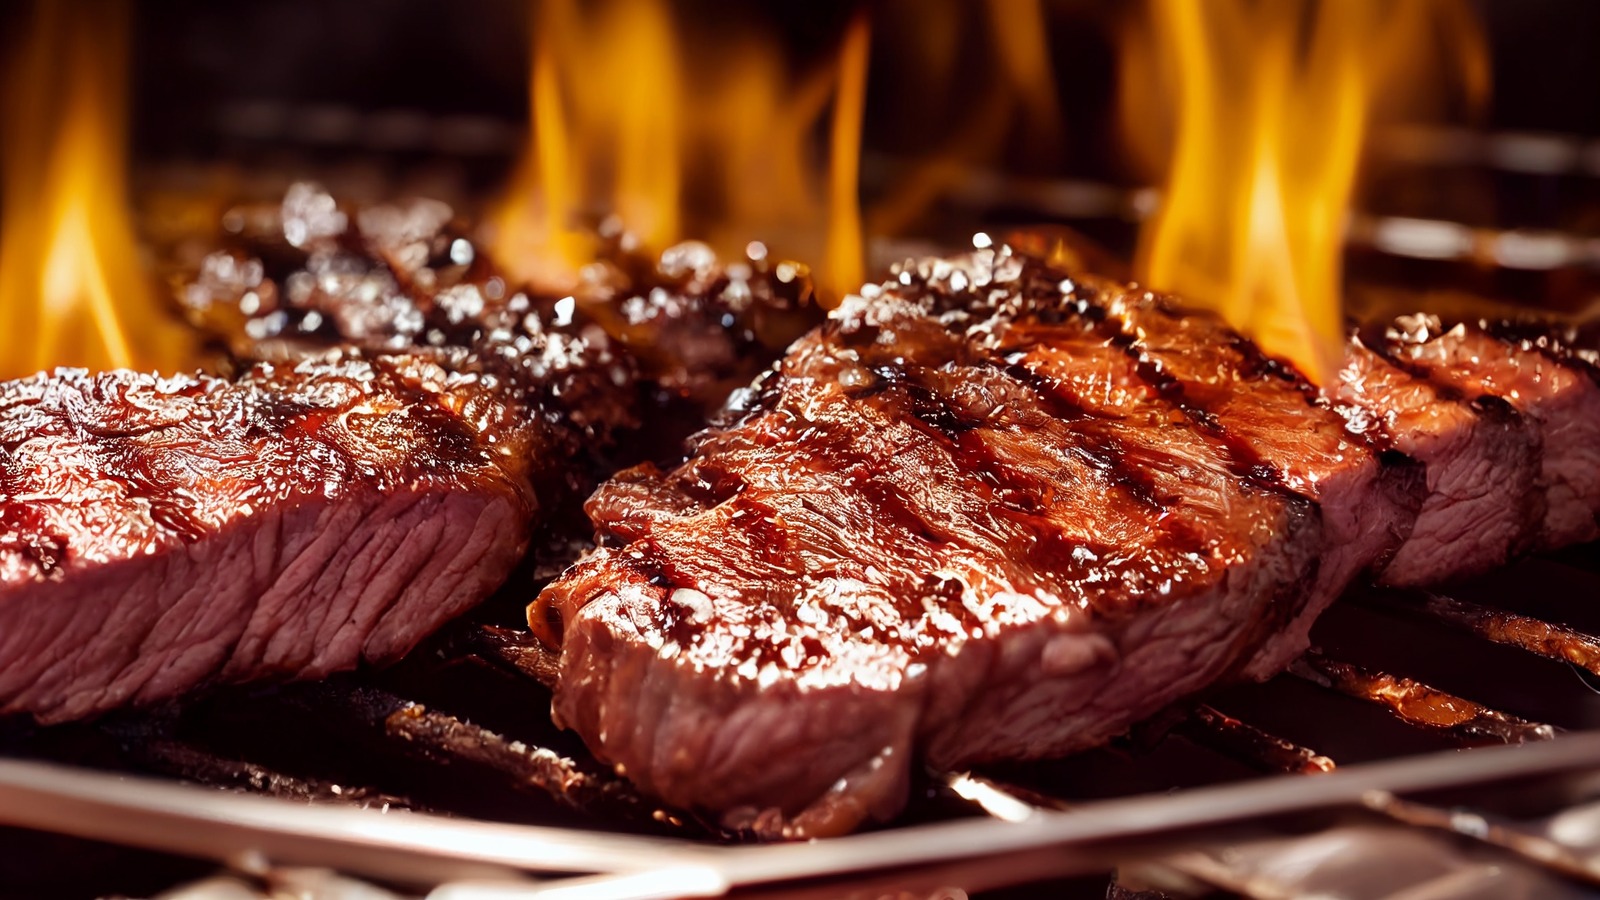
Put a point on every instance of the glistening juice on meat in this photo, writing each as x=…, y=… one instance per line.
x=994, y=510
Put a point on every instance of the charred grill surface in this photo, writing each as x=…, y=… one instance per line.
x=993, y=512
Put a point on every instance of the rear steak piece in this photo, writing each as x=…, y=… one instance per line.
x=990, y=511
x=682, y=329
x=160, y=533
x=1556, y=389
x=1482, y=459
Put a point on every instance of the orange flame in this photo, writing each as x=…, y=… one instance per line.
x=72, y=291
x=1273, y=102
x=717, y=145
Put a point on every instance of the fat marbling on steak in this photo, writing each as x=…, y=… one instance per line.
x=995, y=511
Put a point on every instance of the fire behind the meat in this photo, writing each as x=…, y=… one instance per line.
x=1257, y=114
x=72, y=288
x=1253, y=115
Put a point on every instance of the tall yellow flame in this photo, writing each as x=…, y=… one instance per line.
x=72, y=291
x=1272, y=105
x=718, y=144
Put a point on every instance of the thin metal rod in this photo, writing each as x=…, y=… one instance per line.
x=402, y=846
x=1261, y=750
x=177, y=758
x=1536, y=848
x=1421, y=705
x=1547, y=639
x=443, y=737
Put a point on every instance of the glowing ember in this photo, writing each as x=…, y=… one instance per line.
x=1272, y=103
x=631, y=117
x=72, y=291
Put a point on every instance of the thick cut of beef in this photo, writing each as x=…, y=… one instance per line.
x=1481, y=456
x=159, y=533
x=1277, y=422
x=1555, y=388
x=990, y=511
x=399, y=423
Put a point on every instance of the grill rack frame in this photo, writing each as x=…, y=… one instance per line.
x=1023, y=831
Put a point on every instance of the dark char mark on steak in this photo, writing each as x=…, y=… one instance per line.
x=990, y=511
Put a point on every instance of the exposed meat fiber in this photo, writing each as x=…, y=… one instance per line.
x=160, y=533
x=992, y=510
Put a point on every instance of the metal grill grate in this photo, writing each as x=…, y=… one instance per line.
x=462, y=729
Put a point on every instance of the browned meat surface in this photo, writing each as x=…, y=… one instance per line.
x=1277, y=422
x=1481, y=456
x=160, y=533
x=681, y=330
x=1556, y=389
x=990, y=511
x=309, y=275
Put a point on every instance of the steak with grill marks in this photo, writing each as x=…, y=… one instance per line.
x=990, y=511
x=160, y=533
x=1481, y=455
x=1556, y=388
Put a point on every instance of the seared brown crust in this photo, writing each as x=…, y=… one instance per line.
x=310, y=275
x=1481, y=457
x=1279, y=426
x=174, y=459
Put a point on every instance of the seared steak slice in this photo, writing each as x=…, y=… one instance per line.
x=309, y=275
x=159, y=533
x=1481, y=456
x=1278, y=422
x=1557, y=390
x=960, y=523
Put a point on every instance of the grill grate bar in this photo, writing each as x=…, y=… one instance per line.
x=1258, y=749
x=1547, y=639
x=1421, y=705
x=445, y=738
x=1534, y=847
x=180, y=759
x=516, y=651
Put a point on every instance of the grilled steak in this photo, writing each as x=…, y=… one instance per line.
x=990, y=511
x=1481, y=455
x=411, y=422
x=307, y=276
x=1556, y=389
x=159, y=533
